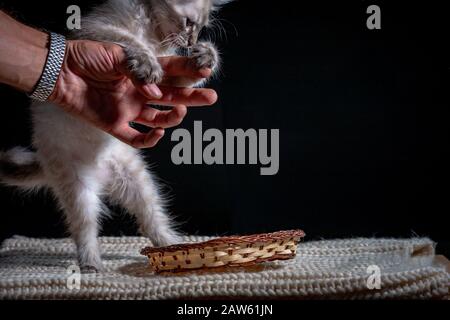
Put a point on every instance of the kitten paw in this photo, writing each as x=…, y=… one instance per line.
x=145, y=67
x=205, y=55
x=164, y=240
x=90, y=263
x=87, y=269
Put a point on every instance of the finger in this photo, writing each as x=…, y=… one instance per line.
x=162, y=119
x=176, y=66
x=190, y=97
x=136, y=139
x=152, y=138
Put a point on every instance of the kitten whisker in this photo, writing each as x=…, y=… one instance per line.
x=220, y=20
x=169, y=37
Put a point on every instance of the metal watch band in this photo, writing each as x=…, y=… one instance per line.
x=52, y=68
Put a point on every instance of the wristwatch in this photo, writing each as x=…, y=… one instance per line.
x=55, y=59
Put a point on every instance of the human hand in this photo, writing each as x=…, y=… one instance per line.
x=95, y=85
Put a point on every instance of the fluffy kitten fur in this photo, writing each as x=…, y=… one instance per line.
x=81, y=164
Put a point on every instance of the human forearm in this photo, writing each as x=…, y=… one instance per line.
x=95, y=84
x=23, y=52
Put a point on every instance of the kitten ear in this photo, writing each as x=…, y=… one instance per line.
x=217, y=4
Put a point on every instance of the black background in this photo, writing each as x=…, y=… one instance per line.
x=363, y=118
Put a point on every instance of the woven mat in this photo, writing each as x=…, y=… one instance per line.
x=41, y=269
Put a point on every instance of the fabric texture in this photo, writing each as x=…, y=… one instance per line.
x=328, y=269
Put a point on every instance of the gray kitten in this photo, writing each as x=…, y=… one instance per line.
x=81, y=164
x=148, y=29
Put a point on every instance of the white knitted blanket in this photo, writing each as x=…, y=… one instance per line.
x=356, y=268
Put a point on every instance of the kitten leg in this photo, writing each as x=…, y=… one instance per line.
x=135, y=189
x=141, y=56
x=82, y=207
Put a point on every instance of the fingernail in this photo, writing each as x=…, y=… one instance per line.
x=153, y=90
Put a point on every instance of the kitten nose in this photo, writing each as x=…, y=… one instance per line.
x=192, y=40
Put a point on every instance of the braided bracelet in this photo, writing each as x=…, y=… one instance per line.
x=55, y=59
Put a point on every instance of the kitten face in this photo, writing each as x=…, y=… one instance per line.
x=180, y=21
